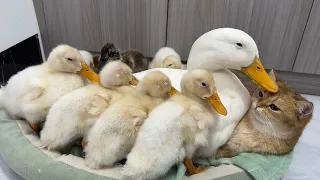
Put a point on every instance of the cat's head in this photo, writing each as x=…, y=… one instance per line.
x=283, y=114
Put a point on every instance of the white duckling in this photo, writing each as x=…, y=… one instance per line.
x=71, y=117
x=30, y=93
x=114, y=133
x=88, y=58
x=166, y=57
x=175, y=129
x=216, y=51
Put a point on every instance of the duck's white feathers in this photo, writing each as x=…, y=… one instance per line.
x=74, y=114
x=158, y=145
x=32, y=91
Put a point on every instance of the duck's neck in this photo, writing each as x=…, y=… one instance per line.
x=192, y=96
x=48, y=65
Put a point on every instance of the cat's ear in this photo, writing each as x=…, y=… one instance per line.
x=305, y=108
x=274, y=76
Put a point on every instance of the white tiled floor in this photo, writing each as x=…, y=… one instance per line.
x=306, y=161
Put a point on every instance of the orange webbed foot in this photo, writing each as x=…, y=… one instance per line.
x=191, y=169
x=83, y=143
x=35, y=128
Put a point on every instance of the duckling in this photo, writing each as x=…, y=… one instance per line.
x=72, y=115
x=114, y=133
x=136, y=60
x=176, y=128
x=109, y=52
x=30, y=93
x=88, y=58
x=133, y=58
x=166, y=57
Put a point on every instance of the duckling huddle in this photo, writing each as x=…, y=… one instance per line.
x=166, y=57
x=146, y=121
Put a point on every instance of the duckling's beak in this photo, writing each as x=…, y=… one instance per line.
x=173, y=91
x=88, y=73
x=257, y=73
x=134, y=81
x=216, y=103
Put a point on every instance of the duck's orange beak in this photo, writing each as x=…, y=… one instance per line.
x=134, y=81
x=173, y=91
x=216, y=103
x=88, y=73
x=257, y=73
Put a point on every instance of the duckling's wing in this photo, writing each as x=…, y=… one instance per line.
x=158, y=145
x=98, y=104
x=36, y=87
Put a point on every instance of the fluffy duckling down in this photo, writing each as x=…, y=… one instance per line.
x=72, y=116
x=30, y=93
x=114, y=133
x=175, y=129
x=88, y=58
x=166, y=57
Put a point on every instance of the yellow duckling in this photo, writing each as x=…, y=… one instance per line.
x=175, y=129
x=30, y=93
x=72, y=116
x=114, y=133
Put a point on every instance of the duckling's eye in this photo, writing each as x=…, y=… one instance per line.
x=274, y=107
x=239, y=45
x=69, y=59
x=204, y=84
x=170, y=65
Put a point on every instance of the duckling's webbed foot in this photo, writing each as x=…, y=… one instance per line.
x=191, y=169
x=83, y=143
x=35, y=128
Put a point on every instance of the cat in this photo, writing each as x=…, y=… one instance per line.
x=274, y=122
x=133, y=58
x=136, y=60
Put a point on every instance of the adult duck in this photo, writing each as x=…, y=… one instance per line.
x=217, y=51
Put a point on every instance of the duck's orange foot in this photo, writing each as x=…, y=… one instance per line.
x=191, y=169
x=83, y=143
x=197, y=170
x=35, y=128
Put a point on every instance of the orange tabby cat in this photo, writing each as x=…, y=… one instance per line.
x=273, y=124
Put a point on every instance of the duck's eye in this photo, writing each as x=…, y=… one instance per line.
x=204, y=84
x=260, y=94
x=274, y=107
x=239, y=45
x=170, y=65
x=69, y=59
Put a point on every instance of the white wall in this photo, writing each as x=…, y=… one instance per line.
x=17, y=22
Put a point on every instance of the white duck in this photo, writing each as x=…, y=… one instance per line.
x=170, y=135
x=73, y=115
x=30, y=93
x=166, y=57
x=216, y=51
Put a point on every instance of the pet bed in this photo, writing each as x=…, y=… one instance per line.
x=20, y=148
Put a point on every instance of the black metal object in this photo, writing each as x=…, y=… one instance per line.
x=20, y=56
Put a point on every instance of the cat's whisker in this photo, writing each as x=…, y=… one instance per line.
x=269, y=124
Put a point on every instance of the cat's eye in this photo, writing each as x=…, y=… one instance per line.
x=239, y=45
x=204, y=84
x=260, y=94
x=274, y=107
x=69, y=59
